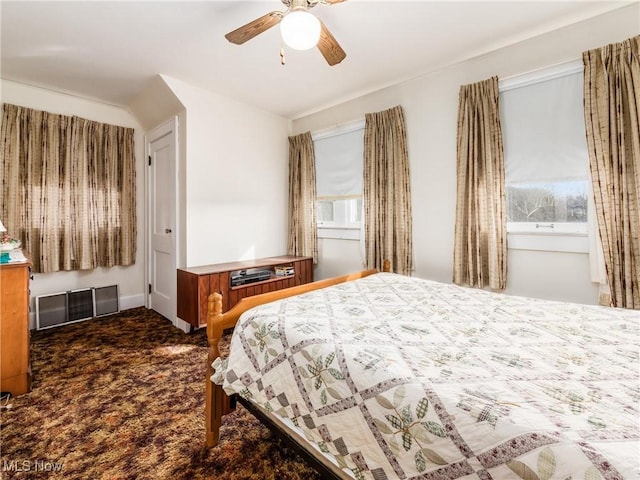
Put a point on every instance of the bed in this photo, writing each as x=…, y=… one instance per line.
x=385, y=376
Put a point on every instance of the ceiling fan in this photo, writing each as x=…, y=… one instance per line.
x=300, y=29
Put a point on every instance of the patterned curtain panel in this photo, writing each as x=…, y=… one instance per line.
x=303, y=232
x=480, y=244
x=387, y=192
x=68, y=190
x=612, y=112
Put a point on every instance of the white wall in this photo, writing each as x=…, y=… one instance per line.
x=337, y=257
x=130, y=279
x=235, y=163
x=155, y=104
x=430, y=103
x=233, y=170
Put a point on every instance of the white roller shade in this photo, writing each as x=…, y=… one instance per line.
x=339, y=163
x=543, y=129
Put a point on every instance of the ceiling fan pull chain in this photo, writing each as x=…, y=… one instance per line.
x=282, y=60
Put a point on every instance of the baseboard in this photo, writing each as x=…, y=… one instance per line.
x=132, y=301
x=182, y=325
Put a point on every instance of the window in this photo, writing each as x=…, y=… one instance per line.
x=53, y=164
x=340, y=213
x=339, y=163
x=546, y=160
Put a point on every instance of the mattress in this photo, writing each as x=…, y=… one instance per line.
x=399, y=377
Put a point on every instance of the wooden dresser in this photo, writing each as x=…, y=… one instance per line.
x=14, y=328
x=196, y=283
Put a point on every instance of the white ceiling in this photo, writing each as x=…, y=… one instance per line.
x=109, y=50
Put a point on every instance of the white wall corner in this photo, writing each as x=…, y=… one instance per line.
x=155, y=104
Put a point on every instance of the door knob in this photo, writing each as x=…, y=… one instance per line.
x=167, y=230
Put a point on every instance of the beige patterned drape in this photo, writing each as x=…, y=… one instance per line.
x=612, y=117
x=303, y=233
x=387, y=192
x=68, y=189
x=480, y=244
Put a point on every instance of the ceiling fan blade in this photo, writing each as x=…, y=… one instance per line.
x=251, y=29
x=331, y=2
x=329, y=47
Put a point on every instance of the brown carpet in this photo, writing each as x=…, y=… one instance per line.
x=122, y=397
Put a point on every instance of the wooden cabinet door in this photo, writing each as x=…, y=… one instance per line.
x=14, y=329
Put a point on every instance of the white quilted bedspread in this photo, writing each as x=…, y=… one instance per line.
x=398, y=377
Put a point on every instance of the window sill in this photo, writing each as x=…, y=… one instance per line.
x=339, y=233
x=548, y=241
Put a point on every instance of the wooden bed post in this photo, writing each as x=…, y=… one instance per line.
x=217, y=402
x=214, y=395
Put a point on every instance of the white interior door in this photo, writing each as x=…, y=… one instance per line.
x=162, y=220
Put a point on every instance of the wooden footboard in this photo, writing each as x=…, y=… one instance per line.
x=217, y=402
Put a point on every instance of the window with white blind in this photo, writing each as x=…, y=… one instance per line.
x=546, y=159
x=339, y=166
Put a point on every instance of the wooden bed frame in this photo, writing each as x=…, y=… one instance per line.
x=218, y=403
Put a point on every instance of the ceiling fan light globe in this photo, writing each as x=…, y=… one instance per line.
x=300, y=30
